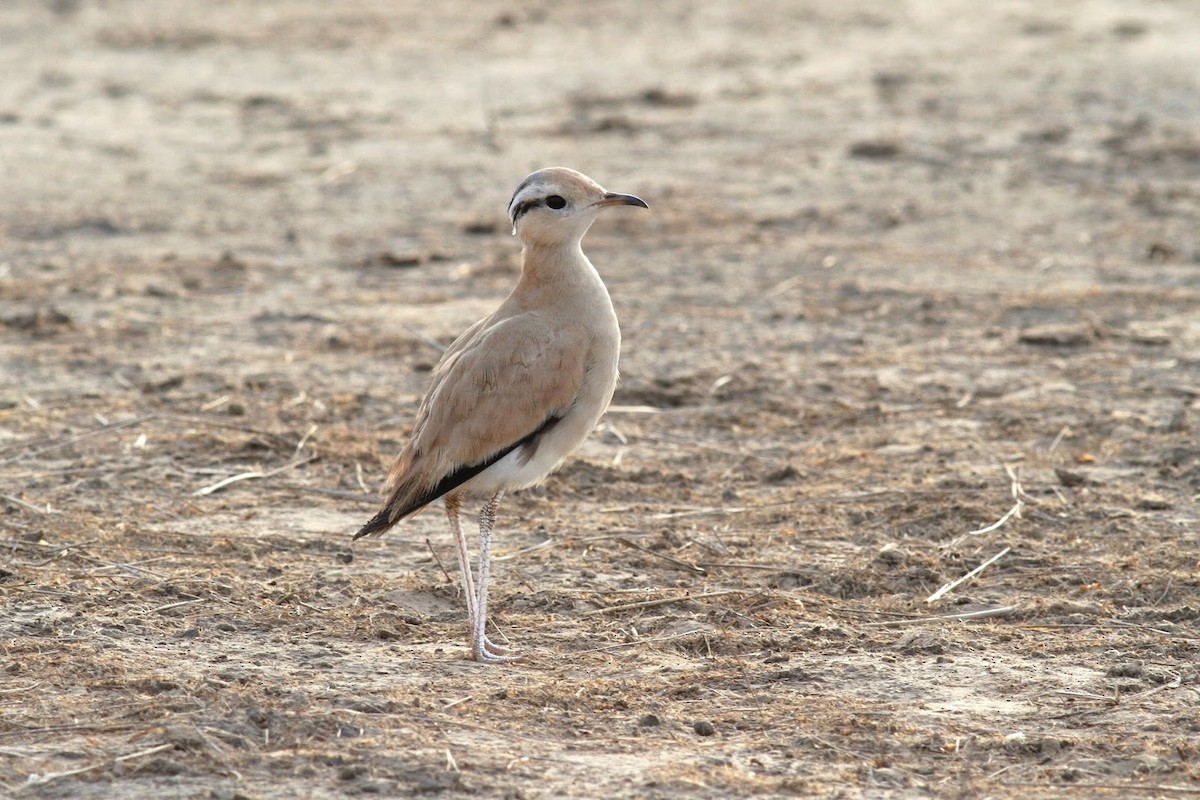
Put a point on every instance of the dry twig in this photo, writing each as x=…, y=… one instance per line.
x=433, y=553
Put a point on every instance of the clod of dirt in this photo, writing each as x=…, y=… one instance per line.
x=1130, y=29
x=370, y=707
x=383, y=788
x=394, y=260
x=890, y=83
x=228, y=261
x=479, y=227
x=1158, y=252
x=161, y=385
x=1020, y=742
x=891, y=554
x=185, y=738
x=162, y=766
x=352, y=771
x=262, y=718
x=1048, y=135
x=920, y=643
x=1154, y=503
x=1015, y=742
x=423, y=782
x=41, y=322
x=704, y=728
x=793, y=674
x=1057, y=335
x=782, y=475
x=875, y=149
x=613, y=123
x=888, y=776
x=1070, y=478
x=649, y=721
x=658, y=96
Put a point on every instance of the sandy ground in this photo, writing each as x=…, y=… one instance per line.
x=911, y=270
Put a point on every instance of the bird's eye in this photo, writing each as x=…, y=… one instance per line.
x=555, y=202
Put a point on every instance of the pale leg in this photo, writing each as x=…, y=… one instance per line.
x=483, y=649
x=453, y=506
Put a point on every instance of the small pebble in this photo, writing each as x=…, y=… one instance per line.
x=704, y=728
x=648, y=721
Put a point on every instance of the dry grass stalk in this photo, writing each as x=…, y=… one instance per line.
x=41, y=780
x=1019, y=497
x=965, y=617
x=636, y=642
x=669, y=559
x=662, y=601
x=942, y=592
x=255, y=474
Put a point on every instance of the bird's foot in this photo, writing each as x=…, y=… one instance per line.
x=485, y=651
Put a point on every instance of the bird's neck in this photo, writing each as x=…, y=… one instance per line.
x=554, y=263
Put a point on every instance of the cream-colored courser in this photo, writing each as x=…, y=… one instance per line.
x=521, y=389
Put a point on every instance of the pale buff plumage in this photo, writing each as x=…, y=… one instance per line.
x=520, y=390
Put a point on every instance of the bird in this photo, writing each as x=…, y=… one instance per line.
x=519, y=390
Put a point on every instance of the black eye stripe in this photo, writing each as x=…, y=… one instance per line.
x=523, y=207
x=554, y=201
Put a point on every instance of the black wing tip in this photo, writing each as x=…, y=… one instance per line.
x=385, y=519
x=377, y=524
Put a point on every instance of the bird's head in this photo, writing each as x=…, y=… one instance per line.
x=556, y=206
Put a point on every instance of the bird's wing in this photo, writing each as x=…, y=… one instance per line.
x=500, y=382
x=498, y=387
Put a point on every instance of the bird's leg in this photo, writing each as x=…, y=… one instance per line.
x=453, y=506
x=481, y=647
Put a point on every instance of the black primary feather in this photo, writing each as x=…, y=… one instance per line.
x=386, y=519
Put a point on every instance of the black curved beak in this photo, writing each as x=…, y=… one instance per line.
x=614, y=199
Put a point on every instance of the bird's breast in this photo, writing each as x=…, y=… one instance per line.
x=530, y=463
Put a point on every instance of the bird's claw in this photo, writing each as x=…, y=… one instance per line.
x=488, y=652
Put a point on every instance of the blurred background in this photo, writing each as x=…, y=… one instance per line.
x=947, y=132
